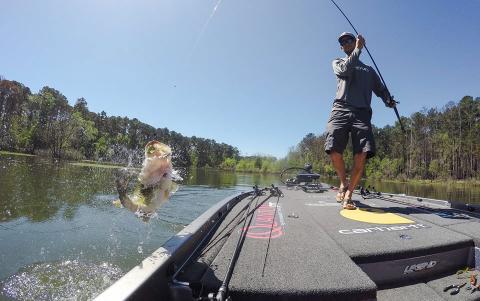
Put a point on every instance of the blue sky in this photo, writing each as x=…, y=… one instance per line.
x=253, y=74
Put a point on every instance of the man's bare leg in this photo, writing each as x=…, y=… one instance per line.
x=357, y=171
x=339, y=165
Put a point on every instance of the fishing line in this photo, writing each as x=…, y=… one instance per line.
x=204, y=28
x=186, y=62
x=376, y=67
x=270, y=236
x=214, y=240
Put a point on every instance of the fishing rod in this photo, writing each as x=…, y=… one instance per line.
x=468, y=209
x=376, y=67
x=275, y=191
x=222, y=293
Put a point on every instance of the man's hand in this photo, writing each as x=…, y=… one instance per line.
x=391, y=103
x=360, y=42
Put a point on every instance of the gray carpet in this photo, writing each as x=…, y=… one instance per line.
x=439, y=284
x=304, y=263
x=316, y=253
x=380, y=244
x=472, y=229
x=416, y=292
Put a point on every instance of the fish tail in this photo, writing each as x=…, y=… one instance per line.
x=121, y=182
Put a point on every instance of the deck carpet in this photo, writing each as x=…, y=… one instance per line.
x=317, y=251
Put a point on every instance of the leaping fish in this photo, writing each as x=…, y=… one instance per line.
x=155, y=182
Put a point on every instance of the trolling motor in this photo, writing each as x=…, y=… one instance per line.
x=302, y=177
x=294, y=176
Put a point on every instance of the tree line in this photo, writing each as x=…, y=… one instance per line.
x=438, y=144
x=44, y=123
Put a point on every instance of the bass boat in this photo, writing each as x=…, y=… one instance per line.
x=295, y=242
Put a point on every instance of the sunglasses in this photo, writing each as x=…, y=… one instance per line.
x=346, y=41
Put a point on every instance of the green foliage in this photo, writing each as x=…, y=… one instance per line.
x=245, y=165
x=329, y=170
x=44, y=123
x=100, y=147
x=372, y=168
x=435, y=168
x=439, y=143
x=228, y=164
x=259, y=164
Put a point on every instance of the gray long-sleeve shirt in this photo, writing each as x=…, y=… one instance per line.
x=355, y=83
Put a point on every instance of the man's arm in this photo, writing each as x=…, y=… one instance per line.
x=345, y=67
x=381, y=91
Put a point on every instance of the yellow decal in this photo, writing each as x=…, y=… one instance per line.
x=374, y=216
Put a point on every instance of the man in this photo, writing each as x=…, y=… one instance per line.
x=352, y=114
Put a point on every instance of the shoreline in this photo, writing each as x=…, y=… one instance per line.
x=92, y=163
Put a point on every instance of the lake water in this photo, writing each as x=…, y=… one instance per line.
x=61, y=237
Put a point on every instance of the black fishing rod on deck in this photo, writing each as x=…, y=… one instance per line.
x=376, y=67
x=418, y=202
x=274, y=191
x=223, y=293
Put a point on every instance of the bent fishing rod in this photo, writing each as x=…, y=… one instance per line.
x=376, y=67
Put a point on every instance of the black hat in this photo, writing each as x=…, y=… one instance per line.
x=346, y=34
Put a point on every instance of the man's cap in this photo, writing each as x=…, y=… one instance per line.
x=346, y=34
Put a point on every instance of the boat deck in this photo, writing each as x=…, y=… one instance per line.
x=302, y=246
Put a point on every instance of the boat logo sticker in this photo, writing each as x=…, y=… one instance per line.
x=265, y=221
x=322, y=204
x=419, y=267
x=455, y=215
x=375, y=216
x=382, y=229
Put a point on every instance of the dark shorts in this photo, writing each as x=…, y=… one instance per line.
x=357, y=124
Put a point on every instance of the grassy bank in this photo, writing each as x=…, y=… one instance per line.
x=90, y=163
x=436, y=183
x=472, y=182
x=16, y=154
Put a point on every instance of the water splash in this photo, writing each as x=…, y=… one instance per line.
x=120, y=154
x=64, y=280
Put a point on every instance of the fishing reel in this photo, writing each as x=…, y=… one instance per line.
x=392, y=102
x=275, y=191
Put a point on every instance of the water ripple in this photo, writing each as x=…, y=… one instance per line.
x=63, y=280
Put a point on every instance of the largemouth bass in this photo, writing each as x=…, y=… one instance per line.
x=155, y=182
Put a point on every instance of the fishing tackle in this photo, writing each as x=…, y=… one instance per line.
x=456, y=288
x=375, y=64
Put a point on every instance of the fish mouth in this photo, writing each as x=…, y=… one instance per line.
x=158, y=149
x=152, y=157
x=157, y=156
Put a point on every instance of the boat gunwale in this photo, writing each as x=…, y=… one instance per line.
x=156, y=270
